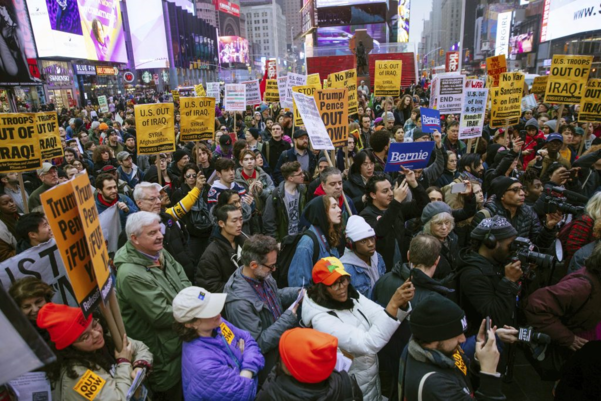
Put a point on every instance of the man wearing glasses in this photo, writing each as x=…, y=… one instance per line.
x=254, y=302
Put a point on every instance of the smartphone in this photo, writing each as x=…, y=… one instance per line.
x=487, y=328
x=523, y=135
x=458, y=187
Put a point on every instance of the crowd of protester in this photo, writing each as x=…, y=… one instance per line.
x=248, y=267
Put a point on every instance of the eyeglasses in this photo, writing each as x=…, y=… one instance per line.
x=270, y=267
x=190, y=175
x=154, y=199
x=515, y=190
x=368, y=164
x=341, y=282
x=86, y=336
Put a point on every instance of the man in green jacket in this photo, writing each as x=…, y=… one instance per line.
x=148, y=278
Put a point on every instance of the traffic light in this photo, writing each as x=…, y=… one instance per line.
x=441, y=53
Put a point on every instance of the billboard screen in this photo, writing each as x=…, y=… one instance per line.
x=85, y=29
x=568, y=17
x=403, y=13
x=148, y=36
x=233, y=49
x=337, y=36
x=521, y=43
x=338, y=3
x=373, y=13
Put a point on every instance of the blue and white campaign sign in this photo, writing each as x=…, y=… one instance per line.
x=430, y=120
x=411, y=155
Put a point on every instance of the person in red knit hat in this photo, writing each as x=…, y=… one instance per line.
x=306, y=370
x=88, y=366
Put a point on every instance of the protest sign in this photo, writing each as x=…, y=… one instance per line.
x=313, y=79
x=529, y=102
x=411, y=155
x=235, y=97
x=387, y=78
x=334, y=114
x=32, y=386
x=430, y=120
x=282, y=85
x=590, y=105
x=474, y=109
x=318, y=134
x=111, y=227
x=50, y=137
x=200, y=90
x=44, y=262
x=495, y=66
x=213, y=91
x=103, y=104
x=506, y=100
x=272, y=93
x=450, y=93
x=308, y=90
x=61, y=209
x=346, y=79
x=474, y=84
x=568, y=78
x=86, y=204
x=293, y=80
x=539, y=86
x=19, y=142
x=197, y=118
x=155, y=128
x=253, y=92
x=175, y=94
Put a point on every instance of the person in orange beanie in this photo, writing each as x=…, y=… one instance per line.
x=306, y=370
x=87, y=365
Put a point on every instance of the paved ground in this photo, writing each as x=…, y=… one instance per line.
x=527, y=385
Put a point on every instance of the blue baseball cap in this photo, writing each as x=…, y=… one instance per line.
x=555, y=137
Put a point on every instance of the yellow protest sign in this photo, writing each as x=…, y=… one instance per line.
x=62, y=211
x=200, y=90
x=539, y=86
x=568, y=78
x=308, y=90
x=19, y=142
x=155, y=128
x=50, y=137
x=590, y=105
x=333, y=108
x=495, y=66
x=346, y=79
x=507, y=100
x=175, y=94
x=314, y=79
x=227, y=333
x=90, y=385
x=387, y=78
x=272, y=93
x=197, y=118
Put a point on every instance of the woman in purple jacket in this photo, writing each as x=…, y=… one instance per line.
x=219, y=361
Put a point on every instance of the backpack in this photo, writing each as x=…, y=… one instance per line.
x=287, y=251
x=199, y=219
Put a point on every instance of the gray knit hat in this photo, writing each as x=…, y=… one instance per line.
x=496, y=225
x=533, y=122
x=434, y=208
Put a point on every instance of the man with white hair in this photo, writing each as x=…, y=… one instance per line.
x=148, y=278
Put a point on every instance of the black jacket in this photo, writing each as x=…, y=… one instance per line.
x=290, y=156
x=218, y=262
x=589, y=175
x=273, y=149
x=449, y=254
x=486, y=292
x=354, y=188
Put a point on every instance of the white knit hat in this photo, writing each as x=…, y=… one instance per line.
x=358, y=229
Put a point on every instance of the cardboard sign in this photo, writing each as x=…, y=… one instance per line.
x=474, y=109
x=293, y=80
x=50, y=137
x=308, y=90
x=197, y=118
x=213, y=91
x=334, y=114
x=450, y=94
x=569, y=75
x=430, y=120
x=282, y=84
x=411, y=155
x=175, y=94
x=103, y=104
x=495, y=66
x=387, y=78
x=318, y=134
x=90, y=385
x=235, y=97
x=155, y=128
x=272, y=93
x=199, y=90
x=253, y=92
x=506, y=100
x=86, y=204
x=346, y=79
x=314, y=79
x=590, y=105
x=539, y=86
x=19, y=142
x=61, y=209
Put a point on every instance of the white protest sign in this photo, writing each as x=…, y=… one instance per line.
x=103, y=104
x=282, y=84
x=213, y=91
x=293, y=80
x=450, y=94
x=474, y=109
x=253, y=92
x=474, y=83
x=111, y=227
x=318, y=134
x=235, y=97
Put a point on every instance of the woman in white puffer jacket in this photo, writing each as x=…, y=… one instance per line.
x=362, y=327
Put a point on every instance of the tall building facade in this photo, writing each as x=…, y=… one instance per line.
x=266, y=29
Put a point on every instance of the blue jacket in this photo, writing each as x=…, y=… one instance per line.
x=122, y=215
x=301, y=265
x=211, y=366
x=360, y=272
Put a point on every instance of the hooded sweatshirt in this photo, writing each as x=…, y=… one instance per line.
x=363, y=276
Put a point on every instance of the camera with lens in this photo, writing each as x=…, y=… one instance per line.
x=529, y=336
x=556, y=201
x=521, y=249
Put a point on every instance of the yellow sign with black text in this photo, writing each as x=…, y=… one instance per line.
x=314, y=79
x=90, y=385
x=539, y=86
x=590, y=105
x=346, y=79
x=332, y=105
x=19, y=142
x=567, y=79
x=272, y=94
x=387, y=79
x=197, y=118
x=155, y=128
x=495, y=66
x=506, y=100
x=50, y=136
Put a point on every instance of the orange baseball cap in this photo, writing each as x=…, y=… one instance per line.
x=103, y=126
x=328, y=270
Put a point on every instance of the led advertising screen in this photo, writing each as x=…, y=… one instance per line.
x=339, y=36
x=148, y=37
x=338, y=3
x=403, y=13
x=568, y=17
x=233, y=49
x=353, y=15
x=85, y=29
x=521, y=43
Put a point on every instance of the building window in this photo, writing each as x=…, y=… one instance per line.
x=255, y=15
x=264, y=14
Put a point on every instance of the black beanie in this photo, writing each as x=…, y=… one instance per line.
x=418, y=133
x=254, y=132
x=497, y=226
x=437, y=318
x=500, y=185
x=178, y=154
